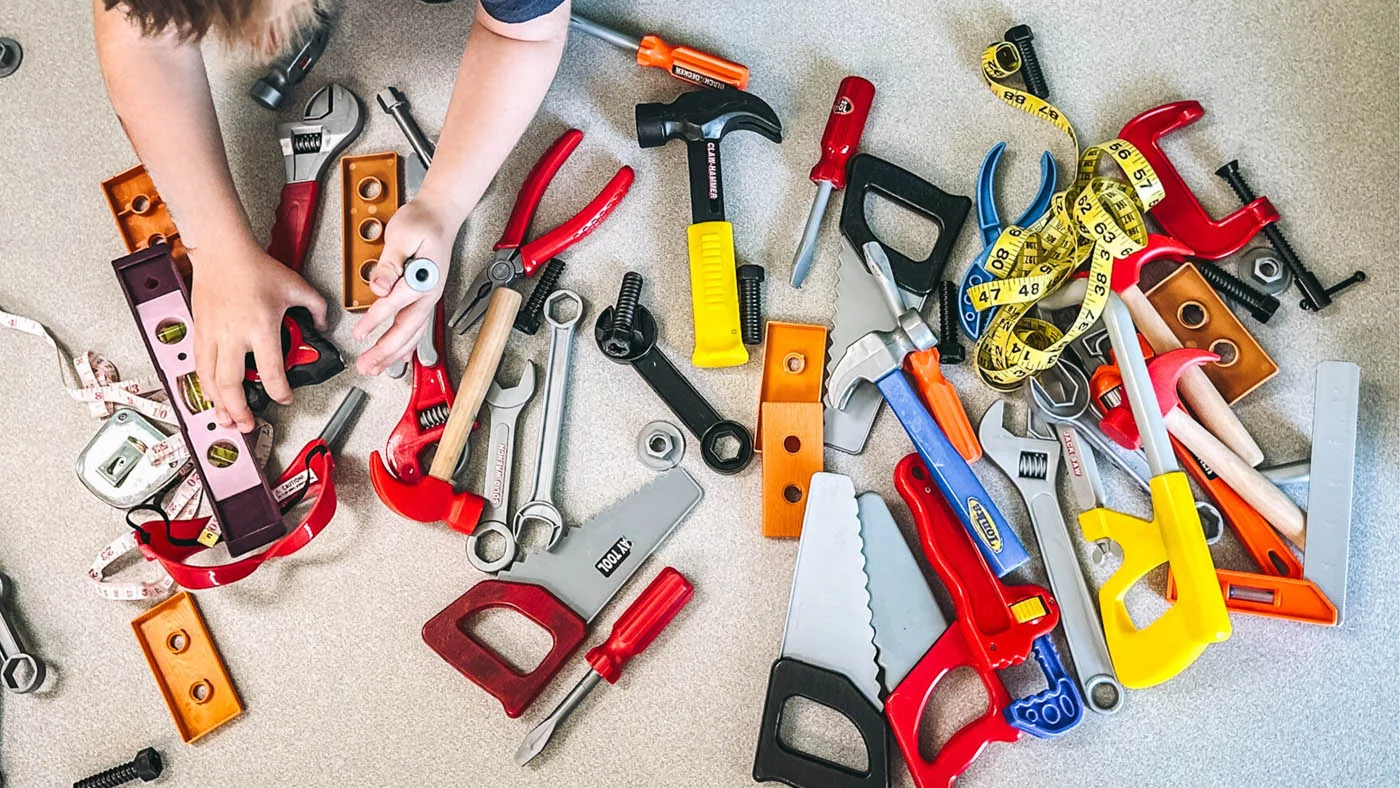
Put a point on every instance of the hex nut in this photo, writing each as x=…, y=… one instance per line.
x=1262, y=267
x=660, y=445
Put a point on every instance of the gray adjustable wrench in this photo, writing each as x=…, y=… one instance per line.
x=20, y=671
x=541, y=506
x=1031, y=464
x=500, y=455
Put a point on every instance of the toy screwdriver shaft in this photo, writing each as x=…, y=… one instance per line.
x=633, y=632
x=839, y=141
x=691, y=65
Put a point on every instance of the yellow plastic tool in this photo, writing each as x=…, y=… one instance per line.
x=714, y=296
x=1151, y=655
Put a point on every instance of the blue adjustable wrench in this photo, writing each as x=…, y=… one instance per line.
x=989, y=223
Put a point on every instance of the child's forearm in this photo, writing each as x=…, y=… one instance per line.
x=504, y=75
x=160, y=91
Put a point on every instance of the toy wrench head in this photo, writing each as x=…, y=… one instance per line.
x=331, y=121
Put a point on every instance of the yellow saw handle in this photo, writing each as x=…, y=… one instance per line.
x=1151, y=655
x=714, y=296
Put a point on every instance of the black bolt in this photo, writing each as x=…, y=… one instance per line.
x=532, y=314
x=950, y=350
x=618, y=343
x=751, y=303
x=1355, y=279
x=146, y=766
x=1314, y=295
x=1021, y=37
x=1261, y=305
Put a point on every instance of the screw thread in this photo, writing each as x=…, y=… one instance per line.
x=625, y=311
x=1030, y=70
x=117, y=775
x=751, y=304
x=1230, y=172
x=1261, y=305
x=950, y=350
x=528, y=320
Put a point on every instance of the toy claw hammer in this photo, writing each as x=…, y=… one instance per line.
x=434, y=498
x=1151, y=655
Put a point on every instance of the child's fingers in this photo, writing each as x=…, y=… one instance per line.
x=404, y=331
x=267, y=353
x=205, y=357
x=228, y=383
x=315, y=303
x=382, y=311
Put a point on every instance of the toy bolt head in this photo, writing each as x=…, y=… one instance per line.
x=750, y=272
x=1019, y=34
x=147, y=764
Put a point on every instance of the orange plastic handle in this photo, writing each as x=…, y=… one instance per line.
x=692, y=65
x=942, y=401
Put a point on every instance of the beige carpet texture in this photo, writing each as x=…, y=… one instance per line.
x=324, y=647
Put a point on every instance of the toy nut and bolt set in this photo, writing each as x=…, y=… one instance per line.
x=1102, y=316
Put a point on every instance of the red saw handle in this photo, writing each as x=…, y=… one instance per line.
x=641, y=623
x=291, y=229
x=843, y=130
x=447, y=634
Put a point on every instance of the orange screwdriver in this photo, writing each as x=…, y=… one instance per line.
x=634, y=630
x=691, y=65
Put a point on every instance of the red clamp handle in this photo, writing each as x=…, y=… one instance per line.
x=291, y=229
x=643, y=620
x=447, y=634
x=528, y=198
x=160, y=544
x=430, y=399
x=843, y=130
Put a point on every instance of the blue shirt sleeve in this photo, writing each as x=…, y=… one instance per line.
x=516, y=11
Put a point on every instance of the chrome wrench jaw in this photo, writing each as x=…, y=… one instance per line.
x=332, y=118
x=1032, y=464
x=541, y=506
x=505, y=405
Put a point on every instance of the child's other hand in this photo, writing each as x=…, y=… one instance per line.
x=416, y=230
x=239, y=298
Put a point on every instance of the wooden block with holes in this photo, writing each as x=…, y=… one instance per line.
x=187, y=667
x=1200, y=319
x=370, y=185
x=790, y=423
x=793, y=434
x=142, y=216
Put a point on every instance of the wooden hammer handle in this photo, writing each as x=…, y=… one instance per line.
x=1195, y=388
x=1276, y=507
x=476, y=380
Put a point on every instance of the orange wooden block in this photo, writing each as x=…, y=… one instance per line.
x=188, y=669
x=142, y=216
x=370, y=187
x=793, y=432
x=793, y=360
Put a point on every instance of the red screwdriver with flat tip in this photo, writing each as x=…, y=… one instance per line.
x=631, y=634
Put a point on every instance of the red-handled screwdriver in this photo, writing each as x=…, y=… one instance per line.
x=839, y=141
x=631, y=634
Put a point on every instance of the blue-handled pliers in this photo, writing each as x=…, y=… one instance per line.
x=989, y=223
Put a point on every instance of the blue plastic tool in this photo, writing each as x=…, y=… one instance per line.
x=1054, y=710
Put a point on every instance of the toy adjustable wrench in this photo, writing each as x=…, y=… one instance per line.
x=879, y=357
x=1164, y=648
x=429, y=403
x=331, y=121
x=997, y=627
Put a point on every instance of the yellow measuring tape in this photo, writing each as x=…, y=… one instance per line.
x=1097, y=219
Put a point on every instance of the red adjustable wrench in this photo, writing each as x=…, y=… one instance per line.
x=428, y=405
x=1179, y=212
x=997, y=626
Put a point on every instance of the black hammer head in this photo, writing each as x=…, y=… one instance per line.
x=706, y=115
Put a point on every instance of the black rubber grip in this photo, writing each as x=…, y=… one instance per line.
x=774, y=760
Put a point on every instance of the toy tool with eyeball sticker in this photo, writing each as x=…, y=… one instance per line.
x=233, y=482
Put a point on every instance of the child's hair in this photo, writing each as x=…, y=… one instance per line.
x=265, y=26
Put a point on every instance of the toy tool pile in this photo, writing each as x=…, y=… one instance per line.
x=1112, y=317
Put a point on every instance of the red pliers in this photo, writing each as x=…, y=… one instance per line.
x=514, y=259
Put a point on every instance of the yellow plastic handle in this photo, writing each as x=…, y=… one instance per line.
x=1158, y=652
x=714, y=296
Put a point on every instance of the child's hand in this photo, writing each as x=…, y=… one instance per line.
x=416, y=230
x=240, y=296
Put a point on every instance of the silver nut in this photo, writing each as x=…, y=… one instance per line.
x=1267, y=270
x=1261, y=267
x=660, y=446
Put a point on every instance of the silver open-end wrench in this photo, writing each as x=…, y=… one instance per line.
x=1032, y=464
x=541, y=505
x=20, y=671
x=500, y=457
x=1061, y=394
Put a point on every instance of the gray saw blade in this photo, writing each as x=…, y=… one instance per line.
x=594, y=560
x=828, y=621
x=860, y=309
x=904, y=613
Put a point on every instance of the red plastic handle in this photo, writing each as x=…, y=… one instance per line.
x=528, y=199
x=549, y=245
x=291, y=229
x=446, y=633
x=431, y=389
x=843, y=129
x=641, y=623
